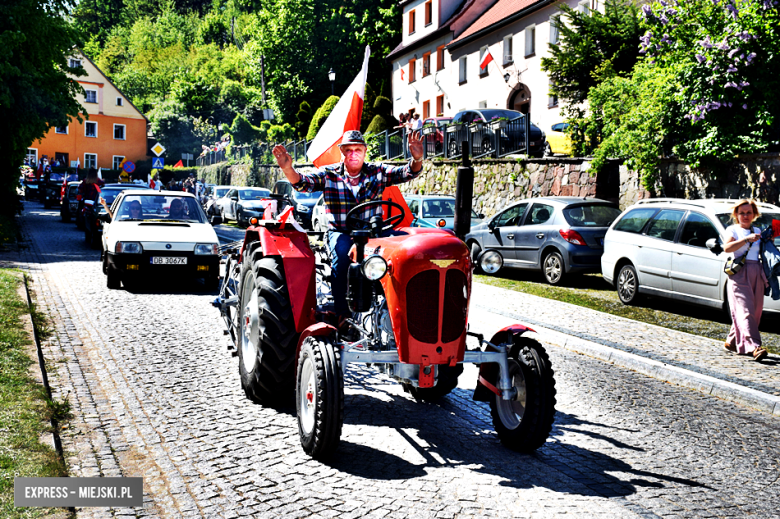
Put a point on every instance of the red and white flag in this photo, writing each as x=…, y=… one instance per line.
x=486, y=59
x=402, y=73
x=345, y=116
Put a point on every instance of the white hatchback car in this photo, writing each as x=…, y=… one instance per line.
x=158, y=232
x=659, y=247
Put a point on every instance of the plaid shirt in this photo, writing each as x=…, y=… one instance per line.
x=339, y=197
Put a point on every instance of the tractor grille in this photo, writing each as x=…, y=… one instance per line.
x=422, y=303
x=454, y=320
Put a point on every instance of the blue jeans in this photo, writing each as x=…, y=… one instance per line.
x=339, y=244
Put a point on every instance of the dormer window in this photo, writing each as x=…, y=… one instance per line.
x=120, y=101
x=74, y=63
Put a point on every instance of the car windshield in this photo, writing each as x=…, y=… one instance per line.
x=160, y=208
x=438, y=208
x=762, y=222
x=56, y=177
x=110, y=193
x=219, y=192
x=593, y=215
x=306, y=196
x=253, y=194
x=443, y=122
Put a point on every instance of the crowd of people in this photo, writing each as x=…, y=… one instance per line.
x=410, y=121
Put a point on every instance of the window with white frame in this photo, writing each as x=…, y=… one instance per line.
x=90, y=96
x=74, y=63
x=482, y=53
x=117, y=162
x=462, y=72
x=90, y=160
x=507, y=49
x=583, y=6
x=594, y=5
x=552, y=99
x=32, y=155
x=119, y=132
x=90, y=129
x=120, y=101
x=554, y=20
x=530, y=41
x=63, y=130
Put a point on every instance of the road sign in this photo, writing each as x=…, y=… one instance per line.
x=158, y=149
x=128, y=166
x=186, y=156
x=158, y=163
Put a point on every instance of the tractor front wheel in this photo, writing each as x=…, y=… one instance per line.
x=267, y=336
x=319, y=396
x=523, y=424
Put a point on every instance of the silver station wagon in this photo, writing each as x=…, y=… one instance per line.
x=658, y=247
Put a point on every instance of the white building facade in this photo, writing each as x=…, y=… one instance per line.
x=436, y=68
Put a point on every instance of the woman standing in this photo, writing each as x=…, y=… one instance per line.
x=746, y=287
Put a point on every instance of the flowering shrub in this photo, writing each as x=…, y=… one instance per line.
x=719, y=61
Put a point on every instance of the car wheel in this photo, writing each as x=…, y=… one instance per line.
x=627, y=285
x=553, y=268
x=491, y=261
x=239, y=220
x=452, y=149
x=476, y=250
x=319, y=396
x=113, y=281
x=547, y=149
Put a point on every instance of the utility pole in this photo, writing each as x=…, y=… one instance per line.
x=262, y=76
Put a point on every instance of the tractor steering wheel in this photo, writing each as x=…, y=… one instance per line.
x=355, y=223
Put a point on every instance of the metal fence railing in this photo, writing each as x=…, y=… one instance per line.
x=493, y=139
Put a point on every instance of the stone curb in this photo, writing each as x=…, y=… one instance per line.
x=759, y=400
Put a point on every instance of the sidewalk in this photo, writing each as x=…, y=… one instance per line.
x=676, y=357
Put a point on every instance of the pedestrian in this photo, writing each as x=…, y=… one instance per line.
x=416, y=122
x=745, y=289
x=347, y=184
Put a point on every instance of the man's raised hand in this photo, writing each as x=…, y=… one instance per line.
x=415, y=145
x=283, y=158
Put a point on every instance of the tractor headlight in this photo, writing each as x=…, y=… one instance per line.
x=128, y=247
x=374, y=267
x=206, y=248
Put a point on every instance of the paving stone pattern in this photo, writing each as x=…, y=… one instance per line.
x=155, y=394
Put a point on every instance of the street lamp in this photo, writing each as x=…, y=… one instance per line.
x=506, y=77
x=332, y=77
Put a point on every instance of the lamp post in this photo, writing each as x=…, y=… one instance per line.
x=332, y=77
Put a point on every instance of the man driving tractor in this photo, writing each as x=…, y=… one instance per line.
x=345, y=185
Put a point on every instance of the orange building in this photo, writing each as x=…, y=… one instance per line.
x=114, y=130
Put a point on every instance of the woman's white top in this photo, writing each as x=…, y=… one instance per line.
x=739, y=233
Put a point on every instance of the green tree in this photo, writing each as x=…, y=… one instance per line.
x=708, y=76
x=242, y=131
x=174, y=130
x=302, y=119
x=592, y=47
x=320, y=116
x=36, y=92
x=383, y=120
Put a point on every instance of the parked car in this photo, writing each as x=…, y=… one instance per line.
x=93, y=229
x=210, y=205
x=658, y=247
x=435, y=140
x=50, y=188
x=558, y=141
x=512, y=137
x=303, y=202
x=557, y=235
x=157, y=241
x=319, y=218
x=436, y=210
x=31, y=187
x=70, y=202
x=242, y=203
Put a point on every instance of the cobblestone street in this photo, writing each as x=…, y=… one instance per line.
x=155, y=393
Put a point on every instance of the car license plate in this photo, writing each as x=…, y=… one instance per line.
x=169, y=260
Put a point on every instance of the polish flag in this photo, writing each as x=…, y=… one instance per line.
x=486, y=60
x=402, y=73
x=345, y=116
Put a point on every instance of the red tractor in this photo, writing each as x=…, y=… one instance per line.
x=409, y=294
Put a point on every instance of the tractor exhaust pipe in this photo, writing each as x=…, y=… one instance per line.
x=464, y=191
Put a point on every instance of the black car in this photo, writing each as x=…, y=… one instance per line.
x=93, y=227
x=486, y=125
x=304, y=202
x=70, y=202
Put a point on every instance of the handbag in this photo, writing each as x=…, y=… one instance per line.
x=734, y=265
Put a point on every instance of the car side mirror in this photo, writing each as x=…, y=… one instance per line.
x=216, y=220
x=492, y=226
x=714, y=245
x=481, y=216
x=234, y=198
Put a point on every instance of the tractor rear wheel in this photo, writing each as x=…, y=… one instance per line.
x=446, y=382
x=523, y=424
x=267, y=337
x=319, y=396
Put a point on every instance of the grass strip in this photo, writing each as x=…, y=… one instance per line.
x=591, y=291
